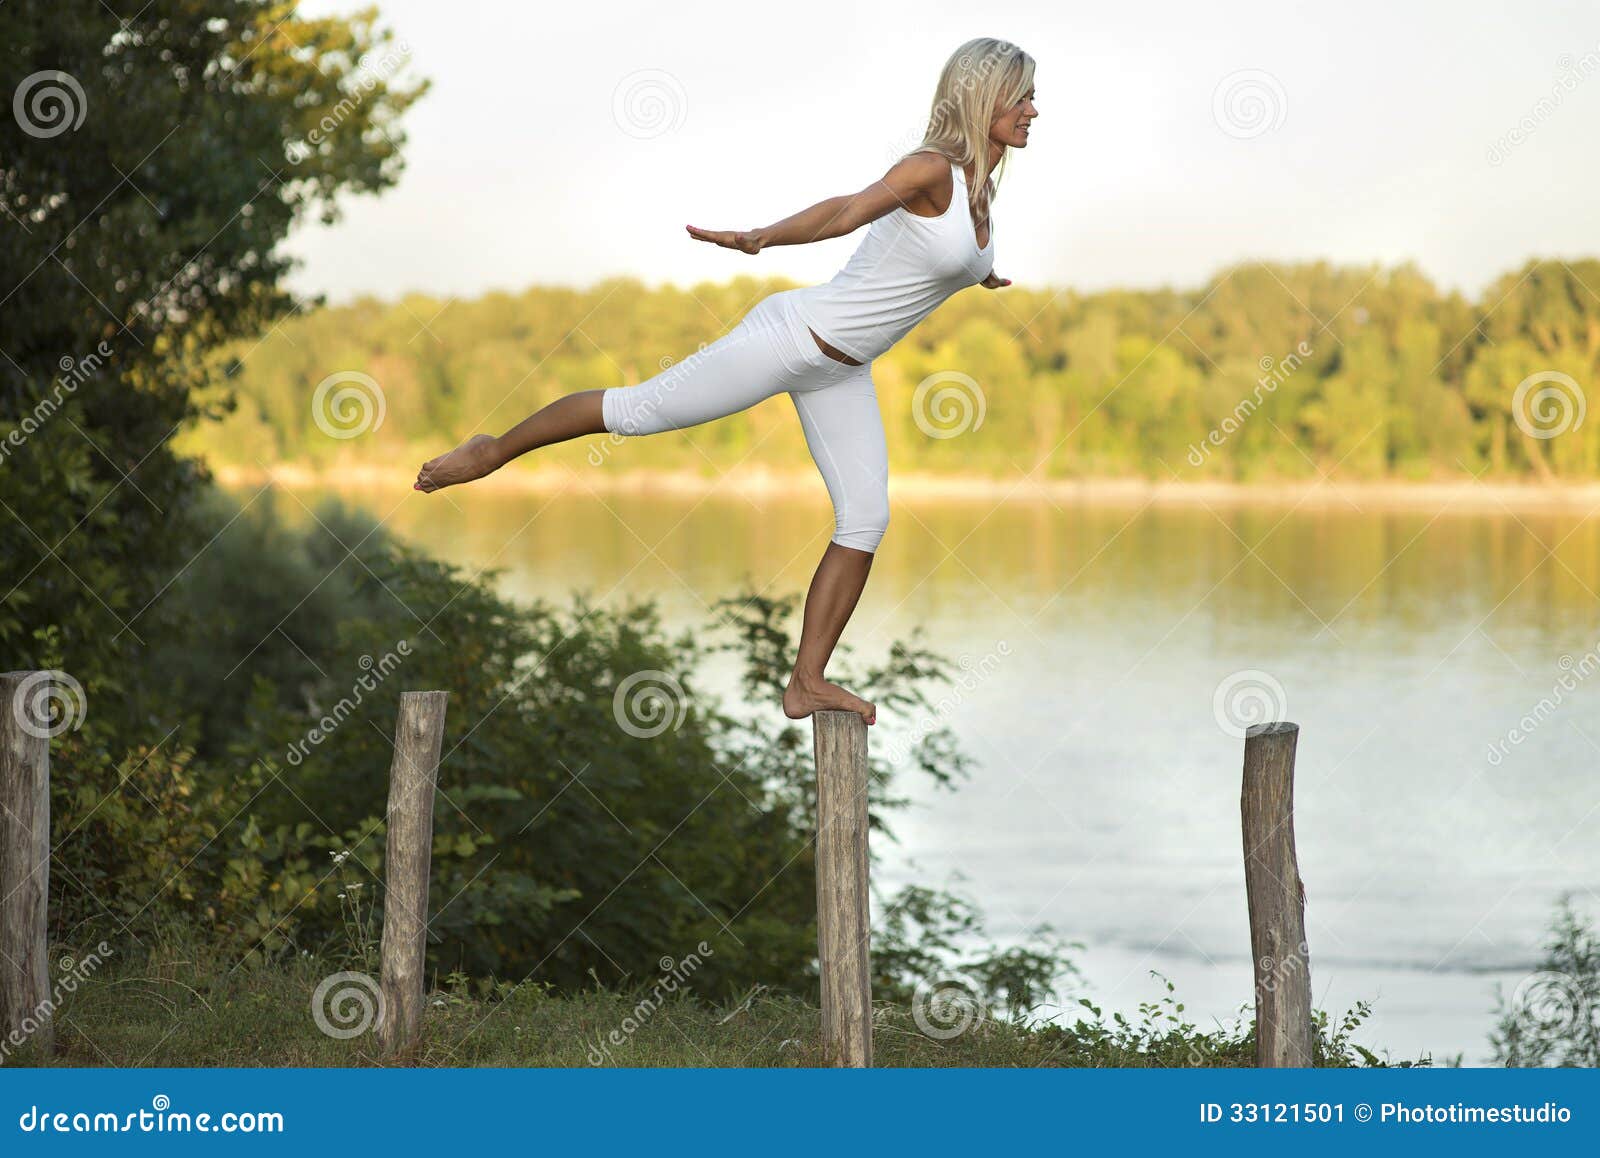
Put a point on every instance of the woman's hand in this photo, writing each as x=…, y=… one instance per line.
x=992, y=282
x=745, y=241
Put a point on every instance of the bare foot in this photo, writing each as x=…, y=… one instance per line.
x=474, y=458
x=804, y=696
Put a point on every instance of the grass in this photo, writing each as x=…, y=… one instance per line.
x=180, y=1006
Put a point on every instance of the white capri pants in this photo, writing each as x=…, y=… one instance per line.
x=769, y=351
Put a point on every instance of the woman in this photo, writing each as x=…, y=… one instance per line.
x=931, y=235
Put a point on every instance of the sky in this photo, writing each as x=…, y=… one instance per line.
x=566, y=143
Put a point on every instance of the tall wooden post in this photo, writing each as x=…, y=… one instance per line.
x=418, y=736
x=25, y=1007
x=1277, y=898
x=842, y=900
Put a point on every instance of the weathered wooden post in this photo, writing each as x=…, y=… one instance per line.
x=25, y=1007
x=1277, y=898
x=842, y=905
x=418, y=736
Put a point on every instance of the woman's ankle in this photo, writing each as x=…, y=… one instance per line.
x=497, y=453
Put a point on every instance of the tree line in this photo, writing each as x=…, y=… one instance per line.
x=1266, y=372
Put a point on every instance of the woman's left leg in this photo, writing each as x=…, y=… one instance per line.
x=748, y=364
x=845, y=433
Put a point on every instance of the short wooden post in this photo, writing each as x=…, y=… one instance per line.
x=418, y=736
x=1277, y=898
x=25, y=1007
x=842, y=904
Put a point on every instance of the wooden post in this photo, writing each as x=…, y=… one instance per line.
x=25, y=1007
x=418, y=736
x=842, y=905
x=1277, y=898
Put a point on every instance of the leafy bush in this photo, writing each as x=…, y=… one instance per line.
x=1553, y=1017
x=568, y=846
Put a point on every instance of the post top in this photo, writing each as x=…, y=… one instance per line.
x=1272, y=728
x=835, y=718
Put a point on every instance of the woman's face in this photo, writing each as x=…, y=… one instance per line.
x=1010, y=124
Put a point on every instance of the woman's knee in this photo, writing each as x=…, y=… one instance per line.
x=861, y=523
x=632, y=410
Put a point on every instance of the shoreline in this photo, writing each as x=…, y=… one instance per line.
x=914, y=487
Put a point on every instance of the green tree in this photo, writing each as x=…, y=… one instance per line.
x=162, y=153
x=137, y=238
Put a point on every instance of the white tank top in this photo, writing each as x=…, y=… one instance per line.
x=904, y=268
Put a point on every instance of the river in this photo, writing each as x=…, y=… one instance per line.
x=1092, y=640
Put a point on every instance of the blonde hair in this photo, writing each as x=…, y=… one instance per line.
x=981, y=76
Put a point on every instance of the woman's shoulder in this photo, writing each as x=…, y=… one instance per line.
x=926, y=178
x=927, y=166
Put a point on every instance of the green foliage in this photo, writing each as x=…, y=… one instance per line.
x=134, y=244
x=183, y=1003
x=567, y=848
x=1161, y=1036
x=140, y=236
x=1553, y=1018
x=242, y=676
x=1301, y=370
x=932, y=947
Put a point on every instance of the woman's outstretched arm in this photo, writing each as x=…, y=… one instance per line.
x=912, y=180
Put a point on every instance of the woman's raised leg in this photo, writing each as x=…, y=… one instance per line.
x=567, y=418
x=739, y=369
